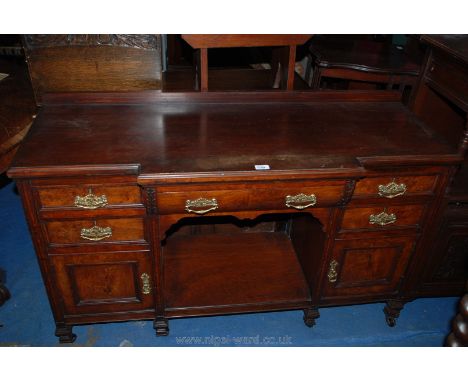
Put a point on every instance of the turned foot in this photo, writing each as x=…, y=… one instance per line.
x=161, y=326
x=310, y=314
x=392, y=311
x=4, y=294
x=459, y=334
x=65, y=334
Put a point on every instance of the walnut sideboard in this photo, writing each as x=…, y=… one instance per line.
x=212, y=203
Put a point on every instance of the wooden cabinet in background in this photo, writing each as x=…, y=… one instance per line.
x=442, y=102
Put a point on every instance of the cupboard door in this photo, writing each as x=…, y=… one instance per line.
x=369, y=266
x=104, y=282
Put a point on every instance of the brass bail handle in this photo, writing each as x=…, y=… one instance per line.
x=392, y=189
x=90, y=201
x=201, y=206
x=96, y=233
x=382, y=218
x=300, y=201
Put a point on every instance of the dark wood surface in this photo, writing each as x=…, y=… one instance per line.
x=232, y=97
x=193, y=138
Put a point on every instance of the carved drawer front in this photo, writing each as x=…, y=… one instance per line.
x=89, y=197
x=383, y=217
x=395, y=187
x=104, y=282
x=367, y=266
x=449, y=75
x=95, y=231
x=272, y=196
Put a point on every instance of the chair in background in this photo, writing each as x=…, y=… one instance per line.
x=362, y=62
x=236, y=62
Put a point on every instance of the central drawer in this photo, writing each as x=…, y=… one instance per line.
x=273, y=196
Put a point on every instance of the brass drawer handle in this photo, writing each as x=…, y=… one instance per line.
x=146, y=285
x=383, y=218
x=96, y=233
x=392, y=189
x=332, y=273
x=206, y=205
x=301, y=201
x=90, y=201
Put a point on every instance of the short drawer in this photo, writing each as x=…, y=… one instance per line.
x=273, y=196
x=95, y=231
x=381, y=217
x=395, y=187
x=89, y=197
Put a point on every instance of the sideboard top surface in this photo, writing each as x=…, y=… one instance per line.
x=212, y=138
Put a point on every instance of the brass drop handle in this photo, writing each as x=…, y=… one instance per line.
x=332, y=272
x=383, y=218
x=392, y=189
x=90, y=201
x=96, y=233
x=146, y=284
x=201, y=206
x=300, y=201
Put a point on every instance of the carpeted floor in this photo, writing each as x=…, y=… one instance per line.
x=26, y=319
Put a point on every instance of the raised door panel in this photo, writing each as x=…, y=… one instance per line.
x=364, y=267
x=104, y=282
